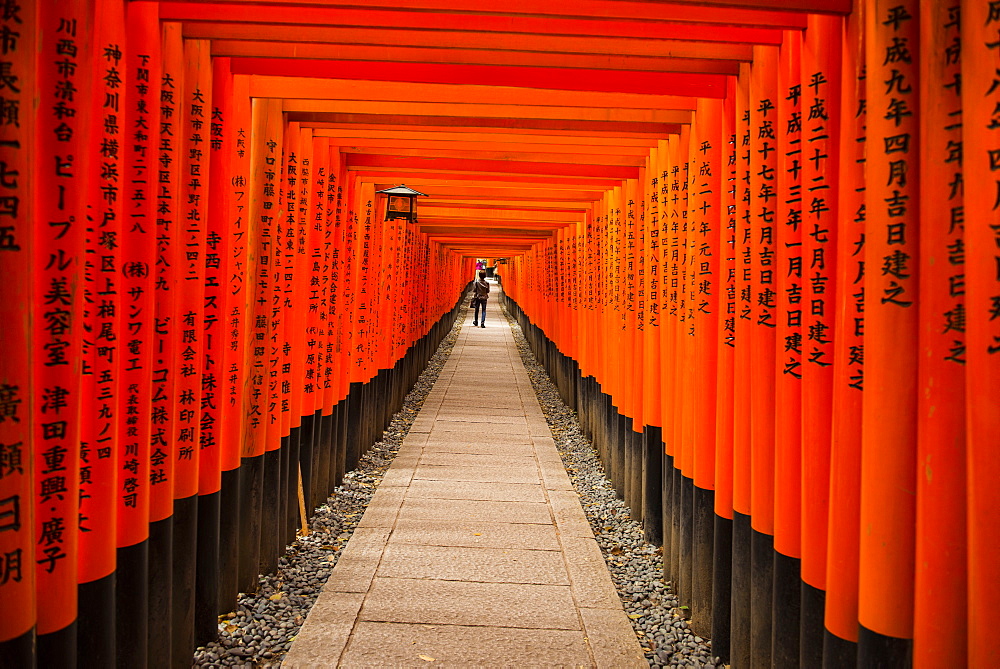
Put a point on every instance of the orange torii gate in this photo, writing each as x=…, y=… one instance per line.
x=696, y=200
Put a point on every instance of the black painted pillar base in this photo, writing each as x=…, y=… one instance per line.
x=667, y=507
x=635, y=445
x=185, y=548
x=251, y=503
x=131, y=605
x=838, y=653
x=58, y=649
x=161, y=547
x=702, y=559
x=618, y=439
x=19, y=652
x=685, y=556
x=722, y=587
x=786, y=606
x=271, y=512
x=229, y=544
x=761, y=595
x=675, y=528
x=652, y=468
x=206, y=602
x=354, y=427
x=879, y=651
x=628, y=487
x=340, y=435
x=95, y=620
x=739, y=634
x=812, y=611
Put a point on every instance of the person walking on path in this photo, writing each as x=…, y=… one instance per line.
x=481, y=291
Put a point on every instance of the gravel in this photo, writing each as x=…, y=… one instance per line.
x=260, y=630
x=636, y=565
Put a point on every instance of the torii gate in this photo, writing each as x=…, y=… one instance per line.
x=783, y=213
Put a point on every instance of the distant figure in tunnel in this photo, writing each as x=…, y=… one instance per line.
x=481, y=291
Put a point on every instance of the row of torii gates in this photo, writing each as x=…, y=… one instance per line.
x=756, y=242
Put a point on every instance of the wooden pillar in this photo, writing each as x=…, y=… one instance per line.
x=722, y=576
x=764, y=129
x=62, y=145
x=103, y=307
x=841, y=610
x=740, y=632
x=17, y=396
x=705, y=185
x=888, y=459
x=820, y=161
x=940, y=514
x=790, y=314
x=981, y=148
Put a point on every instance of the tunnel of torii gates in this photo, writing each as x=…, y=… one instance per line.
x=755, y=242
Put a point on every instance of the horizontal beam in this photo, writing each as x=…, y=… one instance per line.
x=457, y=42
x=471, y=109
x=446, y=139
x=420, y=125
x=558, y=78
x=441, y=213
x=480, y=124
x=429, y=20
x=346, y=89
x=499, y=203
x=428, y=55
x=484, y=231
x=403, y=163
x=501, y=154
x=686, y=12
x=415, y=174
x=490, y=190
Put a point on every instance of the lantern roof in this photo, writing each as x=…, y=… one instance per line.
x=400, y=190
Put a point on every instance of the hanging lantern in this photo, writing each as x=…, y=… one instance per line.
x=401, y=203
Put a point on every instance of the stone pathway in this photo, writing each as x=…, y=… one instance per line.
x=474, y=549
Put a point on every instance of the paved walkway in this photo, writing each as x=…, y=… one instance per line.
x=474, y=550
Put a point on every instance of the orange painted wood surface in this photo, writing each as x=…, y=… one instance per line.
x=892, y=199
x=17, y=239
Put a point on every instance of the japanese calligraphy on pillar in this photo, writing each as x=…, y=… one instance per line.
x=138, y=252
x=728, y=235
x=62, y=137
x=892, y=221
x=17, y=89
x=102, y=301
x=789, y=223
x=167, y=268
x=891, y=248
x=238, y=286
x=652, y=221
x=265, y=171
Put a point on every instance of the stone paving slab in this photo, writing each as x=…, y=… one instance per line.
x=476, y=509
x=474, y=550
x=486, y=534
x=493, y=474
x=412, y=600
x=486, y=565
x=497, y=492
x=401, y=645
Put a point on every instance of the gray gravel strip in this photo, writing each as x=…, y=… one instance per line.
x=260, y=630
x=636, y=566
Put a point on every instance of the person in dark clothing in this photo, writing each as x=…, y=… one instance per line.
x=481, y=290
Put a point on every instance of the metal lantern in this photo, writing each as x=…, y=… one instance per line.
x=401, y=203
